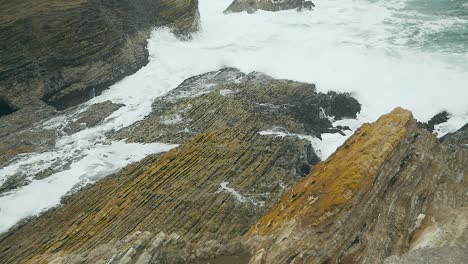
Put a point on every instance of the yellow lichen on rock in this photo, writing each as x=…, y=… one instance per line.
x=333, y=183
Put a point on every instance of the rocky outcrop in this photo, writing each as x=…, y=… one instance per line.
x=196, y=201
x=215, y=100
x=390, y=189
x=237, y=190
x=439, y=118
x=458, y=138
x=228, y=97
x=65, y=52
x=251, y=6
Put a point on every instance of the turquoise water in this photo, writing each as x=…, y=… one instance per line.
x=433, y=25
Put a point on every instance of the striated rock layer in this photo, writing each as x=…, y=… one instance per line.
x=196, y=201
x=391, y=188
x=65, y=51
x=232, y=193
x=216, y=100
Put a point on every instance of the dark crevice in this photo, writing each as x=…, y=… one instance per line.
x=78, y=96
x=72, y=98
x=6, y=108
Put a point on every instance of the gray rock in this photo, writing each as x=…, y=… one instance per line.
x=250, y=6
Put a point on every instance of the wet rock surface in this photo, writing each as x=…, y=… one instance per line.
x=57, y=54
x=22, y=133
x=92, y=116
x=17, y=133
x=66, y=52
x=439, y=118
x=194, y=202
x=228, y=98
x=251, y=6
x=393, y=193
x=391, y=189
x=458, y=138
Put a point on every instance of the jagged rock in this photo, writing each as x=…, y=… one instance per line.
x=204, y=194
x=439, y=118
x=459, y=137
x=268, y=5
x=228, y=97
x=65, y=51
x=391, y=188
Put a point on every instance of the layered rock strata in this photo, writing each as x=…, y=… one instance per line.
x=65, y=52
x=390, y=189
x=215, y=100
x=196, y=201
x=228, y=97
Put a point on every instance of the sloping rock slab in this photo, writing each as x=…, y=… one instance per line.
x=391, y=188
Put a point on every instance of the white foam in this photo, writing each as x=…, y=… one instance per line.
x=341, y=45
x=326, y=146
x=233, y=192
x=453, y=124
x=97, y=162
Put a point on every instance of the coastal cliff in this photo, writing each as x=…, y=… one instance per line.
x=61, y=53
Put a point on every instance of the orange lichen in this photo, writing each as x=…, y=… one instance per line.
x=333, y=183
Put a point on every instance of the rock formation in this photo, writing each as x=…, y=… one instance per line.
x=55, y=54
x=244, y=185
x=390, y=189
x=228, y=97
x=196, y=201
x=251, y=6
x=64, y=52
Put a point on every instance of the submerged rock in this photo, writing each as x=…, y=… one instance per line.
x=251, y=6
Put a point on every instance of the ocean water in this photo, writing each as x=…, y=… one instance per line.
x=408, y=53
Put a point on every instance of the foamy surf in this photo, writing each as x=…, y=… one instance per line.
x=370, y=49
